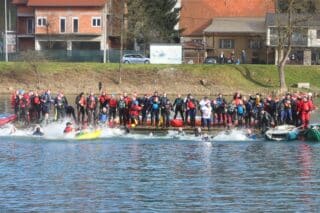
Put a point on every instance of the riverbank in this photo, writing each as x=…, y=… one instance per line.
x=73, y=78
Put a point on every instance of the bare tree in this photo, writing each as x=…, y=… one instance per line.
x=290, y=24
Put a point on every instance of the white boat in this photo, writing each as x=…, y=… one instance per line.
x=282, y=133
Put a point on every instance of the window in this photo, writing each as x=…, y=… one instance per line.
x=96, y=21
x=62, y=25
x=226, y=44
x=254, y=44
x=30, y=26
x=318, y=34
x=42, y=21
x=300, y=37
x=75, y=25
x=197, y=41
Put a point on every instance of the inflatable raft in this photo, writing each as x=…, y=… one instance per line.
x=313, y=133
x=283, y=133
x=7, y=118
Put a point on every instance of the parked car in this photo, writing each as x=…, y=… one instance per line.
x=135, y=59
x=210, y=60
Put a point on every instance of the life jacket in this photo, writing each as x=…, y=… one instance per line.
x=102, y=99
x=134, y=110
x=82, y=102
x=27, y=98
x=258, y=101
x=92, y=102
x=59, y=101
x=113, y=103
x=121, y=104
x=191, y=105
x=127, y=100
x=36, y=100
x=68, y=129
x=22, y=103
x=231, y=108
x=219, y=102
x=155, y=106
x=237, y=101
x=240, y=109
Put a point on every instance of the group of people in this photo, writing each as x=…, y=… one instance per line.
x=35, y=107
x=158, y=110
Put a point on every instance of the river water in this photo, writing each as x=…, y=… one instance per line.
x=141, y=173
x=148, y=175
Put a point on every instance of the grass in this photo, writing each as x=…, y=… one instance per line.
x=248, y=78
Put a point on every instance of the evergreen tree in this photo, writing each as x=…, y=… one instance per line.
x=152, y=21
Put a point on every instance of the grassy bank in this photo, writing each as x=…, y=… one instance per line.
x=197, y=79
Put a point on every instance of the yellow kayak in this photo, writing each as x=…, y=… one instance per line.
x=89, y=135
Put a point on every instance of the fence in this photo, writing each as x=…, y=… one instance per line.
x=112, y=55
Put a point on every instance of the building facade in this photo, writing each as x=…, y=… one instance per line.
x=200, y=20
x=305, y=37
x=236, y=40
x=65, y=24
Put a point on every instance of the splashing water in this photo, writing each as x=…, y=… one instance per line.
x=232, y=135
x=54, y=131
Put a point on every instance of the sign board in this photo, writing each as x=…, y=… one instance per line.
x=11, y=42
x=165, y=54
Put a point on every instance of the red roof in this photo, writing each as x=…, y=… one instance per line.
x=66, y=3
x=196, y=15
x=19, y=1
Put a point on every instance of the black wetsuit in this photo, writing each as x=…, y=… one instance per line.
x=179, y=107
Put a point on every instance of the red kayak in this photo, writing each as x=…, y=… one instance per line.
x=6, y=118
x=176, y=123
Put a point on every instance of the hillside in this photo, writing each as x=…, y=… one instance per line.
x=196, y=79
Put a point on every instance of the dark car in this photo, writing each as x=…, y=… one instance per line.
x=210, y=60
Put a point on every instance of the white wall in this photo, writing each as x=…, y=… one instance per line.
x=178, y=5
x=165, y=54
x=312, y=38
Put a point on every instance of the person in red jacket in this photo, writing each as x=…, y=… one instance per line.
x=113, y=103
x=103, y=100
x=69, y=128
x=305, y=108
x=134, y=112
x=36, y=104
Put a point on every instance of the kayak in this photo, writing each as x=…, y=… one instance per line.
x=7, y=118
x=283, y=133
x=313, y=133
x=91, y=135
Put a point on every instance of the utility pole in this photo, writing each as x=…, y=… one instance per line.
x=121, y=41
x=109, y=24
x=105, y=27
x=5, y=31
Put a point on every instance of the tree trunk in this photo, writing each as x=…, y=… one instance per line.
x=282, y=77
